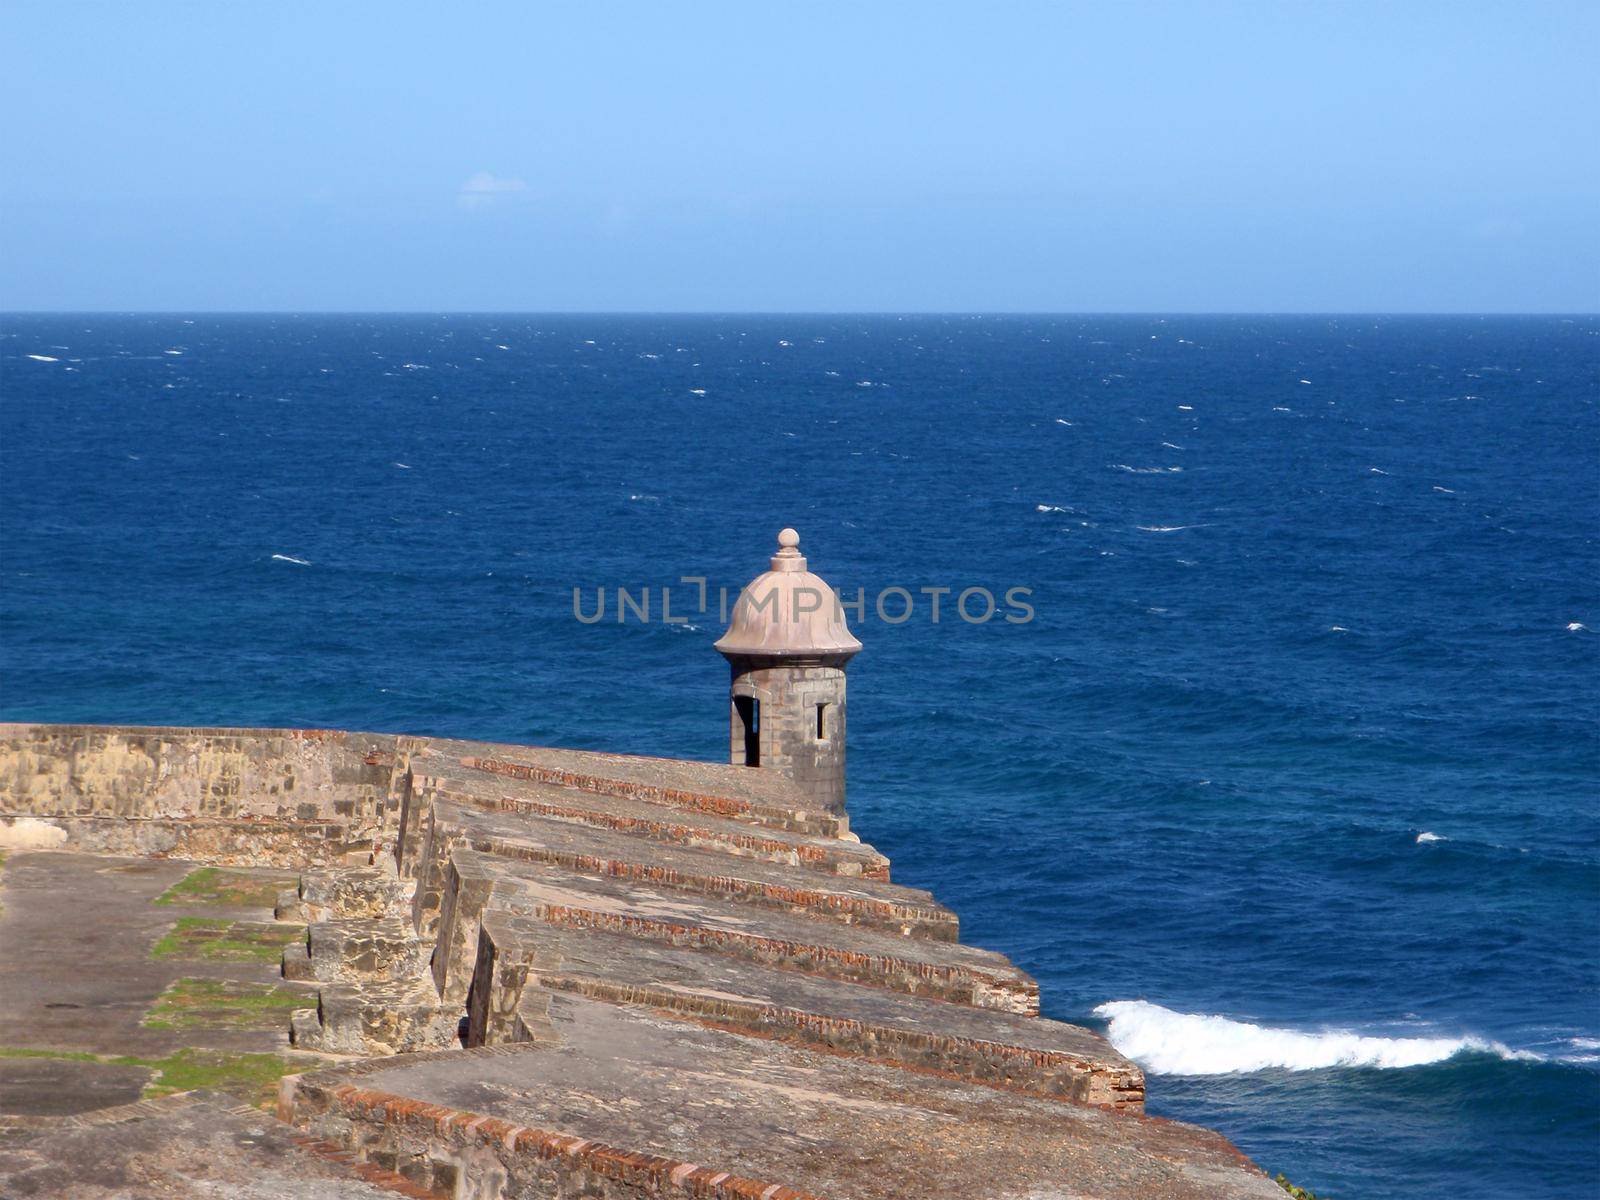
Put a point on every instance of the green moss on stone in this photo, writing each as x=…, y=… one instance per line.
x=251, y=1077
x=208, y=938
x=234, y=889
x=29, y=1052
x=191, y=1003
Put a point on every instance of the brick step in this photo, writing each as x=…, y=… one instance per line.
x=475, y=883
x=617, y=1101
x=760, y=797
x=368, y=1019
x=887, y=906
x=356, y=949
x=635, y=818
x=522, y=959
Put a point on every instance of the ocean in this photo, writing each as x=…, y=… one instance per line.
x=1289, y=782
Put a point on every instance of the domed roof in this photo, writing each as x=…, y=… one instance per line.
x=788, y=612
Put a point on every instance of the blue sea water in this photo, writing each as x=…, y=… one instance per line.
x=1302, y=736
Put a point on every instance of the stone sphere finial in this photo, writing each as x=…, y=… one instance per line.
x=788, y=557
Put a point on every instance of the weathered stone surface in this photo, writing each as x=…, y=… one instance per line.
x=107, y=771
x=437, y=775
x=687, y=979
x=762, y=798
x=378, y=1018
x=517, y=955
x=619, y=1102
x=358, y=949
x=369, y=893
x=948, y=971
x=869, y=902
x=199, y=1144
x=253, y=842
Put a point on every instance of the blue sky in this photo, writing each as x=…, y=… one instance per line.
x=808, y=157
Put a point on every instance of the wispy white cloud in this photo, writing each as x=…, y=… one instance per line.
x=484, y=189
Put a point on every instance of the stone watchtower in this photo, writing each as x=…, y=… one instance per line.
x=788, y=645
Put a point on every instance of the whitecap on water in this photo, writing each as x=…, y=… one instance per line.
x=1176, y=1043
x=1576, y=627
x=1426, y=836
x=289, y=558
x=43, y=358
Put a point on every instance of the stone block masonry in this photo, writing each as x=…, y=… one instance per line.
x=547, y=973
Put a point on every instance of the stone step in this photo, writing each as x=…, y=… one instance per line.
x=475, y=883
x=886, y=906
x=369, y=1019
x=356, y=949
x=760, y=797
x=296, y=963
x=616, y=1101
x=288, y=906
x=521, y=957
x=634, y=818
x=368, y=892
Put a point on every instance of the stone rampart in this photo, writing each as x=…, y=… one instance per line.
x=549, y=973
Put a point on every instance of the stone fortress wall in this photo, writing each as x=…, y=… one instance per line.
x=558, y=973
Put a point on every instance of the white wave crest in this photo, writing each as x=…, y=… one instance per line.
x=299, y=562
x=43, y=358
x=1427, y=836
x=1166, y=528
x=1174, y=1043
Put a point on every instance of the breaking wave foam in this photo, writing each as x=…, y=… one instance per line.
x=1175, y=1043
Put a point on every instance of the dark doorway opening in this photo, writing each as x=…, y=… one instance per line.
x=749, y=711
